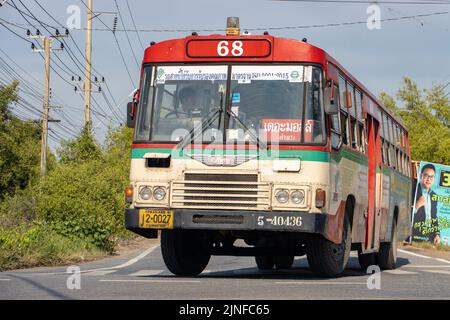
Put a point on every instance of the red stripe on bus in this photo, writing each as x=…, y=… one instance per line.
x=204, y=146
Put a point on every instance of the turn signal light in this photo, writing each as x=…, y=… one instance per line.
x=320, y=198
x=129, y=194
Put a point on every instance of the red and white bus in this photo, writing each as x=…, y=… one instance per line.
x=254, y=145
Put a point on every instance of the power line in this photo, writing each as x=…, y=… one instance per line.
x=117, y=43
x=126, y=34
x=338, y=24
x=69, y=51
x=134, y=25
x=371, y=2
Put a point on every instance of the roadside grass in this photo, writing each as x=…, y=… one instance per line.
x=22, y=247
x=428, y=245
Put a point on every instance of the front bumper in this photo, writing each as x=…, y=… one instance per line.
x=234, y=220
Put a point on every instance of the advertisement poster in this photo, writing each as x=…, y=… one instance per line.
x=431, y=206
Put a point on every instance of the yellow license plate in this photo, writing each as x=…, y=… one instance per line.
x=155, y=219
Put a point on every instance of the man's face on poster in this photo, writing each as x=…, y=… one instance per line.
x=427, y=178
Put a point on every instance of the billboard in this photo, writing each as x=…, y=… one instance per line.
x=431, y=206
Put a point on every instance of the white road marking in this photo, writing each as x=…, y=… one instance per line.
x=134, y=260
x=414, y=254
x=121, y=266
x=398, y=271
x=99, y=273
x=438, y=271
x=150, y=281
x=425, y=266
x=5, y=279
x=442, y=260
x=146, y=273
x=321, y=282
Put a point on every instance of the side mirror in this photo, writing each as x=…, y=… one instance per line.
x=132, y=108
x=131, y=111
x=331, y=99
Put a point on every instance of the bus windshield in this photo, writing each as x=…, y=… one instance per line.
x=270, y=102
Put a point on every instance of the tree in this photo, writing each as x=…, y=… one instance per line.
x=19, y=146
x=82, y=148
x=426, y=113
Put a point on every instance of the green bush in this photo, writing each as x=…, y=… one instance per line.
x=78, y=205
x=41, y=245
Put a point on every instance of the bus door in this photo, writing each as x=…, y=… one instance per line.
x=374, y=184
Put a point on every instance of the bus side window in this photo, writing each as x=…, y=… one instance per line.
x=344, y=127
x=335, y=125
x=359, y=115
x=383, y=156
x=344, y=111
x=352, y=115
x=393, y=156
x=386, y=152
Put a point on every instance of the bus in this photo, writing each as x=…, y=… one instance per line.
x=256, y=145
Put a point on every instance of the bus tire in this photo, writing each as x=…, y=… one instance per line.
x=328, y=259
x=366, y=260
x=387, y=255
x=183, y=253
x=283, y=262
x=264, y=262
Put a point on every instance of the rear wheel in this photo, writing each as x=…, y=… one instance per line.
x=283, y=262
x=387, y=256
x=328, y=259
x=183, y=252
x=366, y=260
x=265, y=262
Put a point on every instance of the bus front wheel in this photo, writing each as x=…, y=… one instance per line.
x=264, y=262
x=387, y=256
x=284, y=262
x=327, y=259
x=183, y=252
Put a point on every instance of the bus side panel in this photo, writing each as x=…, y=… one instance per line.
x=399, y=197
x=348, y=177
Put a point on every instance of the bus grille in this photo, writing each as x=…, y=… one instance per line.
x=220, y=191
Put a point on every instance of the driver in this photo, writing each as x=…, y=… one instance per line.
x=188, y=99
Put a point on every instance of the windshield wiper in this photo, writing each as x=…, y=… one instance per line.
x=203, y=125
x=258, y=141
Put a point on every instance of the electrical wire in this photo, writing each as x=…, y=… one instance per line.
x=126, y=35
x=134, y=25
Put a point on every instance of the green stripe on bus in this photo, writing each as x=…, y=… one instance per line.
x=350, y=155
x=305, y=155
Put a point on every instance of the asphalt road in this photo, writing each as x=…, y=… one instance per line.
x=144, y=276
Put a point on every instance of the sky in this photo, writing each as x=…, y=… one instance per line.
x=415, y=47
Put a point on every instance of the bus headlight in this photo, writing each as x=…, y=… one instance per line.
x=159, y=193
x=297, y=196
x=282, y=196
x=145, y=193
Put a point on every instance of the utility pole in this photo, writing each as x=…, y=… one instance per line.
x=47, y=50
x=87, y=76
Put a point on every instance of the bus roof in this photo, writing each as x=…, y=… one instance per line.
x=261, y=48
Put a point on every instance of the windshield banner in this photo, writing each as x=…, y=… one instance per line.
x=431, y=210
x=191, y=73
x=246, y=74
x=286, y=130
